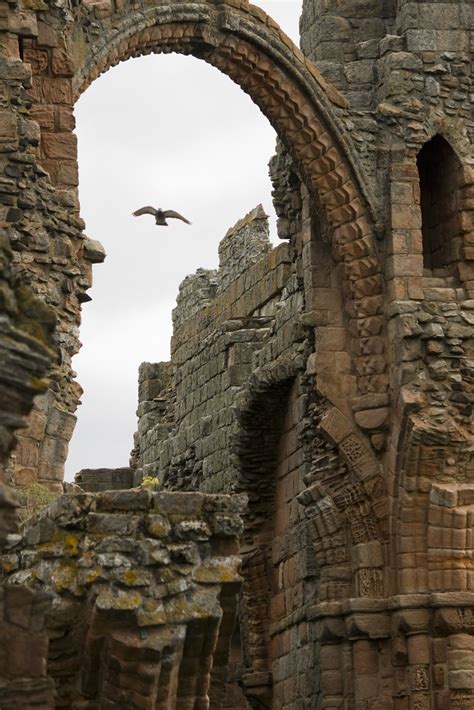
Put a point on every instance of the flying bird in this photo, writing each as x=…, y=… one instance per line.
x=160, y=215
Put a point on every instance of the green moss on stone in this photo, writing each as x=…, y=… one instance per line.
x=34, y=498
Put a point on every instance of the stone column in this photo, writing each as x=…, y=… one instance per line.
x=460, y=666
x=419, y=659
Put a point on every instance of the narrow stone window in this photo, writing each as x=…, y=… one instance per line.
x=439, y=172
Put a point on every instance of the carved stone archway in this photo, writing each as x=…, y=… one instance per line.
x=248, y=46
x=66, y=53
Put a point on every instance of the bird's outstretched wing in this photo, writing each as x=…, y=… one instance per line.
x=176, y=215
x=145, y=210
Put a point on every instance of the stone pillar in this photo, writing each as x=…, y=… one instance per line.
x=419, y=659
x=332, y=674
x=365, y=655
x=460, y=666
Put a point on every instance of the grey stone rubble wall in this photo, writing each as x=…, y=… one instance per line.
x=131, y=601
x=23, y=641
x=155, y=414
x=343, y=39
x=194, y=292
x=242, y=246
x=252, y=320
x=437, y=350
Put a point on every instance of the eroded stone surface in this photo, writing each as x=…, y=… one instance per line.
x=134, y=614
x=330, y=378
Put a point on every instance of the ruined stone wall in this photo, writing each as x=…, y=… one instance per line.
x=385, y=456
x=343, y=38
x=351, y=346
x=225, y=414
x=406, y=69
x=130, y=601
x=187, y=422
x=44, y=255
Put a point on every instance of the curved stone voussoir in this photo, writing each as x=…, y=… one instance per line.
x=263, y=52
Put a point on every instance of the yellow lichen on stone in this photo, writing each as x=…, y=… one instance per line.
x=71, y=545
x=151, y=483
x=35, y=5
x=158, y=525
x=130, y=577
x=64, y=577
x=92, y=575
x=123, y=600
x=151, y=614
x=39, y=383
x=215, y=571
x=7, y=566
x=33, y=499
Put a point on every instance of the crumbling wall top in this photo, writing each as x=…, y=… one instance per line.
x=244, y=244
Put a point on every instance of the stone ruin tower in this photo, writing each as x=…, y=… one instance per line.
x=311, y=541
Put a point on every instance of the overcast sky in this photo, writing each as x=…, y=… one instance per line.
x=173, y=132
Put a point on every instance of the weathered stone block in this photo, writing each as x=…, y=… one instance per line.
x=367, y=555
x=59, y=145
x=124, y=500
x=111, y=523
x=8, y=126
x=94, y=251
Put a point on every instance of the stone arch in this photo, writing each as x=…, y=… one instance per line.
x=261, y=424
x=251, y=49
x=248, y=47
x=244, y=43
x=338, y=507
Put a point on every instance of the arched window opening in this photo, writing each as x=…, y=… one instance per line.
x=439, y=173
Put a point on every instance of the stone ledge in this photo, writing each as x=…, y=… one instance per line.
x=366, y=605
